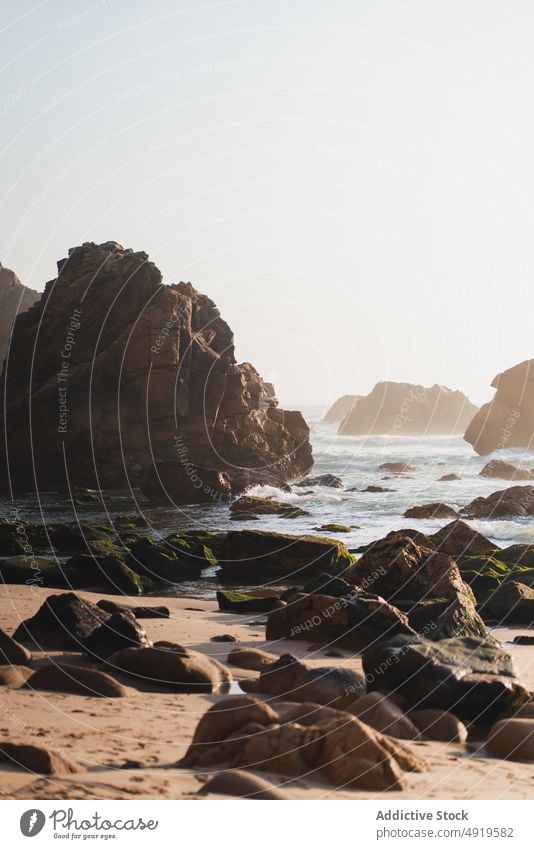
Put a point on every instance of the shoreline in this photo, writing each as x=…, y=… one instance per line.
x=155, y=729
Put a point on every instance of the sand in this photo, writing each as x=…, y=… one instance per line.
x=155, y=729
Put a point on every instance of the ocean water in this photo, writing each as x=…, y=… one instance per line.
x=355, y=460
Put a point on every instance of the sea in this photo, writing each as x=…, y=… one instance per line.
x=356, y=460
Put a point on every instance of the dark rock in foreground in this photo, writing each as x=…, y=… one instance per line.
x=458, y=539
x=468, y=676
x=235, y=602
x=62, y=622
x=167, y=666
x=353, y=622
x=256, y=556
x=506, y=503
x=407, y=409
x=120, y=631
x=500, y=469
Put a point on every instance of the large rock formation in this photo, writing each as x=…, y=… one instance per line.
x=406, y=409
x=508, y=420
x=341, y=408
x=14, y=299
x=133, y=382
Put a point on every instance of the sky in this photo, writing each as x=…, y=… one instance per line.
x=351, y=181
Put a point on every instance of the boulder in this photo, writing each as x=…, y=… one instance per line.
x=397, y=567
x=37, y=759
x=506, y=503
x=34, y=571
x=162, y=563
x=334, y=528
x=381, y=713
x=256, y=556
x=109, y=573
x=241, y=784
x=353, y=623
x=120, y=631
x=511, y=603
x=407, y=409
x=168, y=667
x=253, y=505
x=457, y=617
x=437, y=510
x=296, y=740
x=15, y=298
x=467, y=675
x=13, y=652
x=326, y=584
x=508, y=420
x=62, y=622
x=450, y=477
x=397, y=468
x=439, y=725
x=373, y=488
x=458, y=539
x=80, y=680
x=522, y=554
x=255, y=659
x=14, y=676
x=296, y=682
x=328, y=480
x=506, y=471
x=236, y=602
x=154, y=398
x=512, y=739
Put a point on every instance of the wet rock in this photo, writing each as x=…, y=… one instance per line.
x=80, y=680
x=118, y=632
x=508, y=420
x=14, y=676
x=521, y=554
x=512, y=739
x=236, y=602
x=439, y=725
x=171, y=668
x=397, y=567
x=241, y=784
x=524, y=639
x=506, y=471
x=82, y=537
x=256, y=556
x=397, y=468
x=62, y=622
x=328, y=480
x=13, y=652
x=373, y=488
x=162, y=563
x=458, y=539
x=469, y=676
x=34, y=571
x=515, y=501
x=296, y=740
x=437, y=510
x=37, y=759
x=334, y=528
x=254, y=659
x=256, y=506
x=450, y=477
x=296, y=682
x=140, y=612
x=109, y=573
x=352, y=623
x=381, y=713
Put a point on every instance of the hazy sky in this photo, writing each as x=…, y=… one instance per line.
x=351, y=182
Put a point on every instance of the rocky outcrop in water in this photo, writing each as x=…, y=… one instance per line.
x=341, y=408
x=407, y=409
x=14, y=299
x=507, y=421
x=116, y=380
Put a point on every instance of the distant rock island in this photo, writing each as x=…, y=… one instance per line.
x=341, y=408
x=14, y=299
x=507, y=421
x=115, y=380
x=407, y=409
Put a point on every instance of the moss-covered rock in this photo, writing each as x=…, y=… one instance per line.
x=235, y=602
x=256, y=556
x=35, y=571
x=334, y=528
x=162, y=562
x=253, y=506
x=109, y=572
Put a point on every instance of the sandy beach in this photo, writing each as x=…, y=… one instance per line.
x=127, y=746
